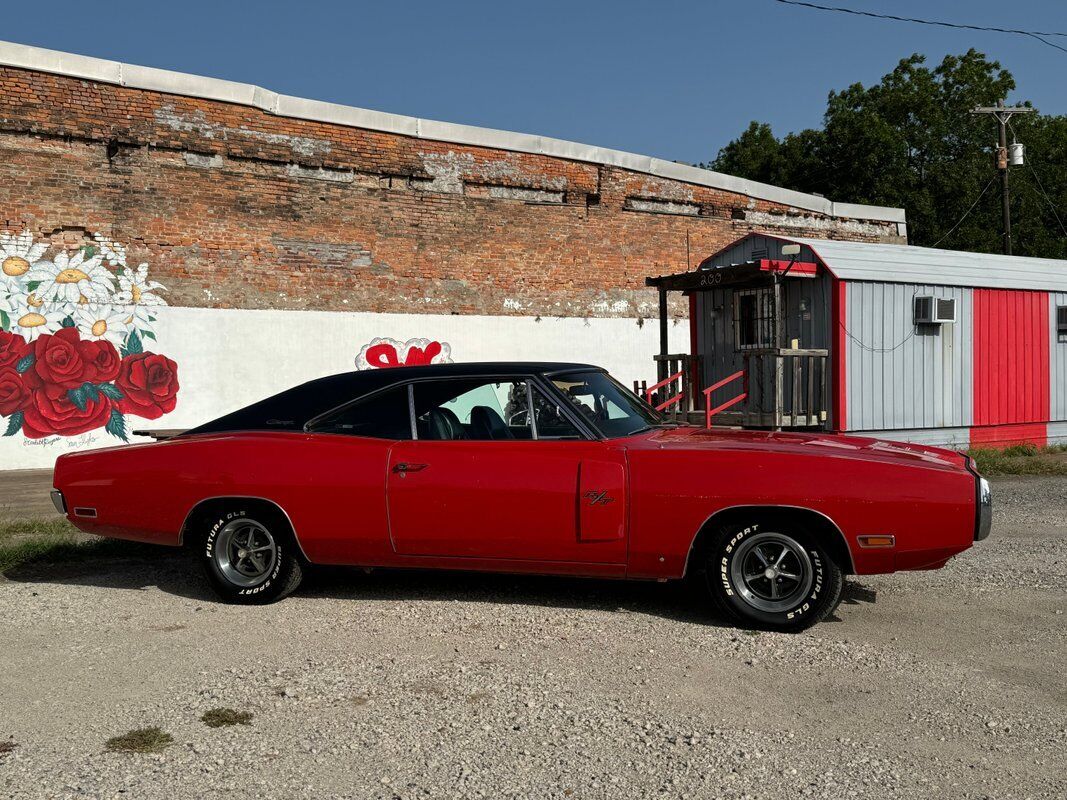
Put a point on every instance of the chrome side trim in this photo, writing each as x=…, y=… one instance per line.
x=834, y=525
x=198, y=503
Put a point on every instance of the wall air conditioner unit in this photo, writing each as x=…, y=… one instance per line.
x=934, y=310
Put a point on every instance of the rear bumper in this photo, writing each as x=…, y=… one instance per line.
x=59, y=502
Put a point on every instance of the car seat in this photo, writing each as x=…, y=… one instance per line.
x=444, y=424
x=487, y=424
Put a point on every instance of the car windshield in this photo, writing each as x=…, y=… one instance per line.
x=607, y=404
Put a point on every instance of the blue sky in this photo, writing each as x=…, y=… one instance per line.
x=671, y=79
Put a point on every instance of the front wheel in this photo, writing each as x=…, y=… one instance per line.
x=249, y=556
x=772, y=576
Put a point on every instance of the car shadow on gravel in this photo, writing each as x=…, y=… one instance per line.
x=135, y=567
x=115, y=564
x=675, y=600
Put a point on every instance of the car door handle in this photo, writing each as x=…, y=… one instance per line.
x=403, y=467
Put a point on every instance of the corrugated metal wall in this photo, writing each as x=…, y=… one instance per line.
x=1058, y=365
x=903, y=376
x=1011, y=356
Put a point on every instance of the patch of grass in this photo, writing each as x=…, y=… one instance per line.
x=27, y=540
x=1021, y=459
x=142, y=740
x=225, y=717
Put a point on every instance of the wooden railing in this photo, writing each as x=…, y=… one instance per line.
x=673, y=394
x=777, y=388
x=710, y=410
x=787, y=388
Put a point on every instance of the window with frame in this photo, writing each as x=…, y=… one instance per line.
x=550, y=420
x=1061, y=324
x=382, y=415
x=474, y=409
x=753, y=319
x=606, y=404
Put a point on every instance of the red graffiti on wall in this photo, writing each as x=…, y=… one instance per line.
x=382, y=353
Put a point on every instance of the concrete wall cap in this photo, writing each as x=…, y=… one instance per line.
x=178, y=83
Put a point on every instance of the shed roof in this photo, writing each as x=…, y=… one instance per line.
x=902, y=263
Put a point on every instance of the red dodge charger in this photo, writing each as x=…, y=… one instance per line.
x=528, y=467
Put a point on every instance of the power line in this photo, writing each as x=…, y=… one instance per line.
x=1038, y=35
x=1048, y=199
x=966, y=213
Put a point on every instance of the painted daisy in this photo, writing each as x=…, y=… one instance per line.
x=97, y=322
x=113, y=252
x=138, y=294
x=73, y=279
x=32, y=322
x=18, y=255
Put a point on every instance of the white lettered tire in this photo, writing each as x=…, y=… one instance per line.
x=249, y=554
x=771, y=575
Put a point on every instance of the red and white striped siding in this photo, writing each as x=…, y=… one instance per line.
x=996, y=377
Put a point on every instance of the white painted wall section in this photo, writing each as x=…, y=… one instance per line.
x=229, y=358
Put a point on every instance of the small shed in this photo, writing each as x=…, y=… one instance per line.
x=907, y=343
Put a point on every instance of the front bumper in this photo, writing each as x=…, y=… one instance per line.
x=984, y=515
x=59, y=502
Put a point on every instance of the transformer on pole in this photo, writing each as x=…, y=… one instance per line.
x=1006, y=157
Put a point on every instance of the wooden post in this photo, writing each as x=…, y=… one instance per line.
x=779, y=338
x=664, y=344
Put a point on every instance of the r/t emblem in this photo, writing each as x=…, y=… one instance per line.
x=600, y=498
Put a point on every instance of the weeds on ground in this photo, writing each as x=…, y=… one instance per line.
x=1021, y=459
x=224, y=717
x=26, y=540
x=142, y=740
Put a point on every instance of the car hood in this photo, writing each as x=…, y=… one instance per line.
x=827, y=444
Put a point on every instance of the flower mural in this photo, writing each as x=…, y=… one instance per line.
x=384, y=352
x=72, y=335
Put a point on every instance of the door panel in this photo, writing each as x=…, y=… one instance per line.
x=507, y=499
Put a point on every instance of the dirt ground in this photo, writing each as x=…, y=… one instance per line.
x=410, y=684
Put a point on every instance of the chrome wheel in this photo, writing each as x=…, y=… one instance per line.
x=245, y=552
x=771, y=572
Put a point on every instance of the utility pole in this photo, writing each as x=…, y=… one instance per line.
x=1003, y=114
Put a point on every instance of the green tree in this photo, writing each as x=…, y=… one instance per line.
x=911, y=141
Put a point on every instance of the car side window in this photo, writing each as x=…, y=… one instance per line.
x=550, y=419
x=382, y=415
x=476, y=409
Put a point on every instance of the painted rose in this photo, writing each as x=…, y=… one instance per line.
x=51, y=411
x=149, y=384
x=58, y=360
x=102, y=361
x=14, y=394
x=13, y=349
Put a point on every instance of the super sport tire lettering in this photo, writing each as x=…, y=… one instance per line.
x=817, y=601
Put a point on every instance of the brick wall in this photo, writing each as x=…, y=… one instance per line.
x=235, y=207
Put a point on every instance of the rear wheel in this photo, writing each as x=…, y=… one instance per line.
x=774, y=576
x=249, y=555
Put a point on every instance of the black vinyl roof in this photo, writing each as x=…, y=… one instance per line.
x=292, y=409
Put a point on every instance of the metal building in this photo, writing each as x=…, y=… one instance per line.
x=901, y=342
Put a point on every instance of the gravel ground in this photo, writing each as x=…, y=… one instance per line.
x=394, y=684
